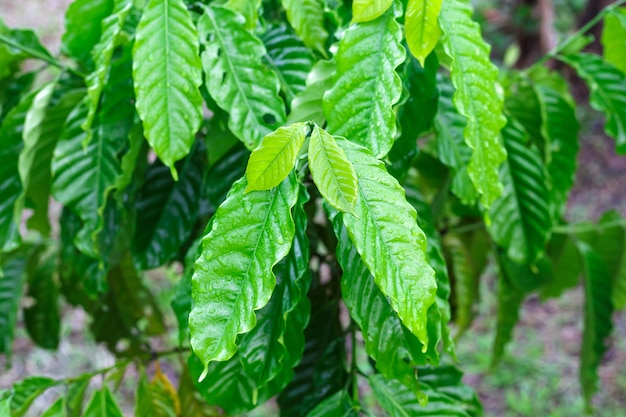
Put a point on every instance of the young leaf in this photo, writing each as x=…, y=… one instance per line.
x=614, y=38
x=103, y=404
x=606, y=89
x=366, y=85
x=386, y=235
x=274, y=159
x=476, y=97
x=307, y=19
x=83, y=26
x=332, y=172
x=250, y=233
x=521, y=220
x=366, y=10
x=597, y=322
x=421, y=28
x=290, y=59
x=308, y=105
x=236, y=77
x=167, y=73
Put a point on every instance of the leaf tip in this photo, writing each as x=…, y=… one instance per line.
x=204, y=373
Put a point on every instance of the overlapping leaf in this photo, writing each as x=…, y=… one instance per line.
x=307, y=19
x=606, y=89
x=11, y=288
x=521, y=219
x=614, y=38
x=157, y=398
x=27, y=391
x=476, y=98
x=103, y=404
x=167, y=73
x=236, y=77
x=190, y=399
x=386, y=235
x=248, y=8
x=421, y=28
x=366, y=86
x=337, y=405
x=233, y=276
x=289, y=58
x=366, y=10
x=308, y=105
x=83, y=26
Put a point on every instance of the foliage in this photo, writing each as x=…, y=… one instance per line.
x=270, y=149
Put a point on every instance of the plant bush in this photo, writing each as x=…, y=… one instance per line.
x=333, y=178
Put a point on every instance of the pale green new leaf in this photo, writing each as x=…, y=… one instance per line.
x=614, y=38
x=167, y=73
x=392, y=246
x=366, y=10
x=607, y=94
x=421, y=28
x=103, y=404
x=307, y=19
x=102, y=53
x=248, y=8
x=308, y=104
x=274, y=159
x=475, y=78
x=249, y=234
x=332, y=172
x=521, y=218
x=236, y=77
x=366, y=86
x=83, y=26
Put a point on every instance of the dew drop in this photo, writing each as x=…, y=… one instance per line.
x=280, y=240
x=247, y=207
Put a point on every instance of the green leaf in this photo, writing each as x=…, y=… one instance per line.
x=307, y=19
x=12, y=90
x=223, y=174
x=308, y=105
x=181, y=299
x=332, y=172
x=56, y=410
x=606, y=89
x=83, y=26
x=248, y=8
x=475, y=78
x=566, y=266
x=83, y=178
x=157, y=398
x=560, y=129
x=421, y=28
x=452, y=150
x=366, y=10
x=392, y=346
x=5, y=406
x=190, y=399
x=337, y=405
x=275, y=158
x=250, y=233
x=29, y=47
x=386, y=235
x=103, y=404
x=236, y=77
x=10, y=184
x=167, y=210
x=597, y=320
x=167, y=73
x=74, y=397
x=12, y=270
x=42, y=319
x=614, y=38
x=27, y=391
x=288, y=57
x=521, y=220
x=102, y=53
x=366, y=85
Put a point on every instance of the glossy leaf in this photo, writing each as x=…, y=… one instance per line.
x=597, y=319
x=337, y=405
x=103, y=404
x=56, y=410
x=421, y=28
x=236, y=77
x=250, y=233
x=167, y=73
x=366, y=10
x=83, y=26
x=307, y=19
x=275, y=158
x=308, y=105
x=102, y=53
x=366, y=86
x=606, y=89
x=614, y=38
x=392, y=246
x=289, y=58
x=168, y=210
x=332, y=172
x=521, y=219
x=476, y=97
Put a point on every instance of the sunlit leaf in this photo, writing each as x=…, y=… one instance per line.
x=307, y=19
x=366, y=10
x=421, y=28
x=614, y=38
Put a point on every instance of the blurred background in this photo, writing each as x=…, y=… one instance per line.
x=539, y=376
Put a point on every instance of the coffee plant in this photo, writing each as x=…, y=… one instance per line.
x=328, y=178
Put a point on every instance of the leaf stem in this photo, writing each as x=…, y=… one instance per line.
x=38, y=55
